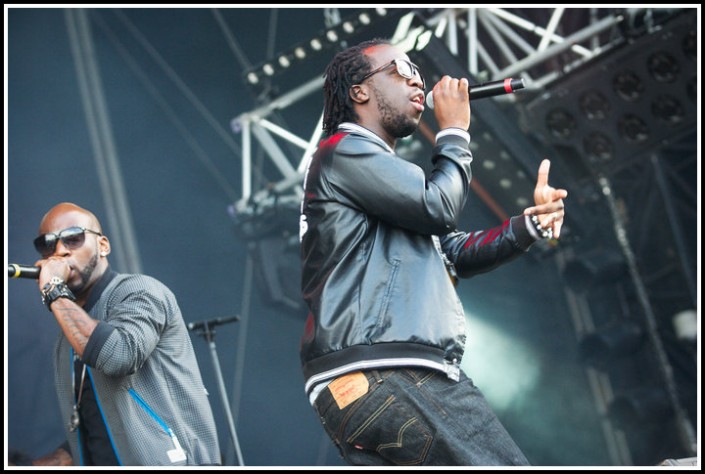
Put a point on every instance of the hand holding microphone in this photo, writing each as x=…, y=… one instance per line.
x=487, y=89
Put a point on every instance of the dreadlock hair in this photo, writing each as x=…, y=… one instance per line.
x=345, y=70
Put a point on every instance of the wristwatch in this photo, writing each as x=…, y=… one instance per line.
x=55, y=289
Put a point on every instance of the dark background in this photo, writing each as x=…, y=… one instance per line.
x=172, y=83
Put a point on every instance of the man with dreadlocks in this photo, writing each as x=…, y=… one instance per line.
x=381, y=256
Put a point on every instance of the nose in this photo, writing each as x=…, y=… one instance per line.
x=61, y=249
x=417, y=80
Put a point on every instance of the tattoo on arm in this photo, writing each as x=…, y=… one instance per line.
x=76, y=324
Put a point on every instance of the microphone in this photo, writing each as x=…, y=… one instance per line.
x=213, y=322
x=22, y=271
x=487, y=89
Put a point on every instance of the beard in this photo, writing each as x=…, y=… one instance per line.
x=398, y=125
x=85, y=275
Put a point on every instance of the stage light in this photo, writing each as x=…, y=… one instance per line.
x=598, y=148
x=561, y=123
x=628, y=86
x=633, y=128
x=668, y=109
x=332, y=36
x=323, y=41
x=594, y=267
x=278, y=271
x=284, y=61
x=663, y=67
x=316, y=44
x=615, y=340
x=639, y=407
x=488, y=164
x=522, y=202
x=685, y=325
x=594, y=105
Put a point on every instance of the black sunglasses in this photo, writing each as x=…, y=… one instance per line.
x=404, y=68
x=72, y=238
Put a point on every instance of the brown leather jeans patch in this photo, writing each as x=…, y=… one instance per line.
x=348, y=388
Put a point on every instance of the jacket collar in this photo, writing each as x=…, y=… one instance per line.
x=98, y=289
x=359, y=129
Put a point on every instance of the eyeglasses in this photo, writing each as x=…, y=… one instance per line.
x=72, y=238
x=405, y=69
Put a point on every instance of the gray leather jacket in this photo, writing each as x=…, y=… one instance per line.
x=375, y=231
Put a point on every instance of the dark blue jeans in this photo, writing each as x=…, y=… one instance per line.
x=418, y=417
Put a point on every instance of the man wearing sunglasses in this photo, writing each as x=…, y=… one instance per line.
x=381, y=255
x=129, y=386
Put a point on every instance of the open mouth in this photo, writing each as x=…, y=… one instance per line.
x=418, y=102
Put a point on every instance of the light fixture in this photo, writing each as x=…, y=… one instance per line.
x=252, y=77
x=633, y=129
x=668, y=109
x=626, y=103
x=284, y=61
x=628, y=86
x=639, y=407
x=618, y=339
x=561, y=123
x=278, y=269
x=594, y=267
x=594, y=105
x=332, y=36
x=316, y=44
x=598, y=147
x=663, y=67
x=328, y=39
x=685, y=325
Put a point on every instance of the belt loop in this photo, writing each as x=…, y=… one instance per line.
x=376, y=375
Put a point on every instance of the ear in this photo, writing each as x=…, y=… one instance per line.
x=104, y=246
x=359, y=94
